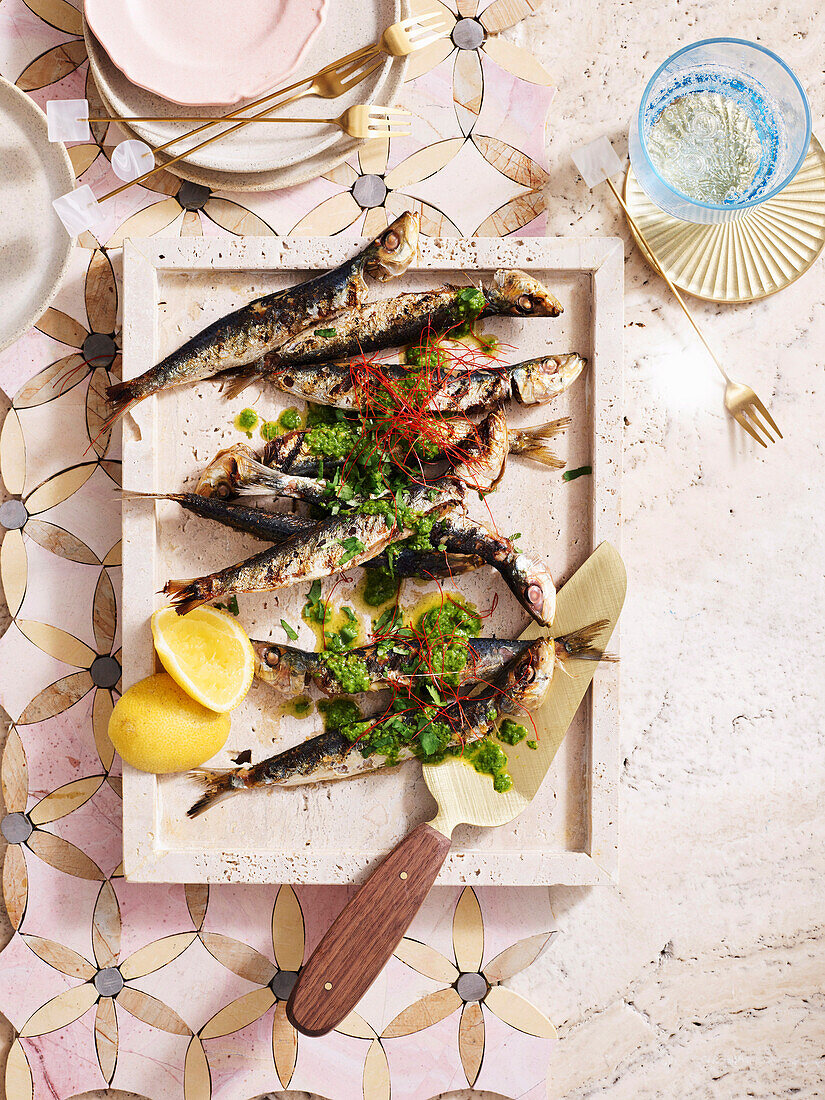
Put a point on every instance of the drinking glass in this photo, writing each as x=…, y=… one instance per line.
x=723, y=125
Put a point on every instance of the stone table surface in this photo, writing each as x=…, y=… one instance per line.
x=701, y=974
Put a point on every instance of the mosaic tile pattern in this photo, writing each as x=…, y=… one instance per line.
x=180, y=991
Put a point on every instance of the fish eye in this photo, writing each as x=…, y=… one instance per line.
x=391, y=241
x=525, y=303
x=272, y=658
x=530, y=675
x=223, y=490
x=535, y=594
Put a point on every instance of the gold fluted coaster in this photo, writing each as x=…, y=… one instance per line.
x=745, y=259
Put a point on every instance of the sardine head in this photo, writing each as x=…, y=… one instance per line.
x=392, y=253
x=540, y=380
x=274, y=668
x=220, y=477
x=518, y=294
x=536, y=672
x=538, y=592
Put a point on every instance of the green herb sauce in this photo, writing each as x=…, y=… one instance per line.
x=511, y=733
x=379, y=586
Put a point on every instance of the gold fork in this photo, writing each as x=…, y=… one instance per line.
x=341, y=76
x=740, y=400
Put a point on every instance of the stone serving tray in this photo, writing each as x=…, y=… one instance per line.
x=334, y=832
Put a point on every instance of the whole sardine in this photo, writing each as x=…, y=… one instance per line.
x=395, y=322
x=520, y=686
x=249, y=332
x=363, y=389
x=277, y=527
x=351, y=538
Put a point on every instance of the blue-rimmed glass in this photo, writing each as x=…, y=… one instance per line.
x=760, y=93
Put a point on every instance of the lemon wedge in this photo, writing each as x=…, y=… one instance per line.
x=157, y=727
x=207, y=652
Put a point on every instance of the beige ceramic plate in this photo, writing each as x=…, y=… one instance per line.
x=295, y=152
x=33, y=243
x=750, y=257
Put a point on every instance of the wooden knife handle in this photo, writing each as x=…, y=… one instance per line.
x=360, y=941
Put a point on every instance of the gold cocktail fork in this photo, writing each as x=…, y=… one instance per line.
x=398, y=40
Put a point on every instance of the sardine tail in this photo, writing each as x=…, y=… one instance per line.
x=120, y=396
x=185, y=594
x=579, y=644
x=218, y=785
x=531, y=442
x=236, y=381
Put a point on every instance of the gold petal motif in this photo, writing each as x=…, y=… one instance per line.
x=513, y=1009
x=59, y=541
x=236, y=218
x=331, y=216
x=191, y=225
x=113, y=469
x=238, y=1013
x=502, y=14
x=516, y=60
x=468, y=932
x=146, y=222
x=422, y=61
x=69, y=797
x=98, y=413
x=106, y=927
x=284, y=1045
x=434, y=223
x=287, y=930
x=356, y=1027
x=471, y=1040
x=51, y=382
x=511, y=162
x=513, y=215
x=468, y=88
x=12, y=454
x=372, y=156
x=151, y=1011
x=343, y=174
x=148, y=959
x=63, y=855
x=15, y=884
x=18, y=1079
x=61, y=327
x=53, y=65
x=61, y=1010
x=467, y=8
x=54, y=490
x=423, y=163
x=58, y=14
x=240, y=958
x=83, y=157
x=104, y=613
x=426, y=960
x=115, y=555
x=101, y=293
x=14, y=569
x=376, y=1080
x=197, y=899
x=375, y=221
x=62, y=958
x=57, y=643
x=56, y=698
x=429, y=1010
x=197, y=1080
x=14, y=774
x=116, y=783
x=101, y=713
x=516, y=958
x=102, y=132
x=106, y=1037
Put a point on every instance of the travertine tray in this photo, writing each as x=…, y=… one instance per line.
x=333, y=832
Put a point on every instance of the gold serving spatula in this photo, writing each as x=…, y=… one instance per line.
x=362, y=938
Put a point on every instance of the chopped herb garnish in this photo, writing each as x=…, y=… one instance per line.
x=269, y=430
x=231, y=606
x=325, y=332
x=352, y=547
x=571, y=475
x=288, y=630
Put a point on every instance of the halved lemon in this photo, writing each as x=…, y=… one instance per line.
x=207, y=653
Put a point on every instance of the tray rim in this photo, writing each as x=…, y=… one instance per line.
x=600, y=257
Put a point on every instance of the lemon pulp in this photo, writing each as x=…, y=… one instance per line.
x=207, y=653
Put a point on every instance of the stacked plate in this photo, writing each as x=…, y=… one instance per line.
x=262, y=156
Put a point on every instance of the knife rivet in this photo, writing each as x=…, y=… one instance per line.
x=327, y=986
x=403, y=874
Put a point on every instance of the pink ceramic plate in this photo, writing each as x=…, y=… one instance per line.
x=206, y=51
